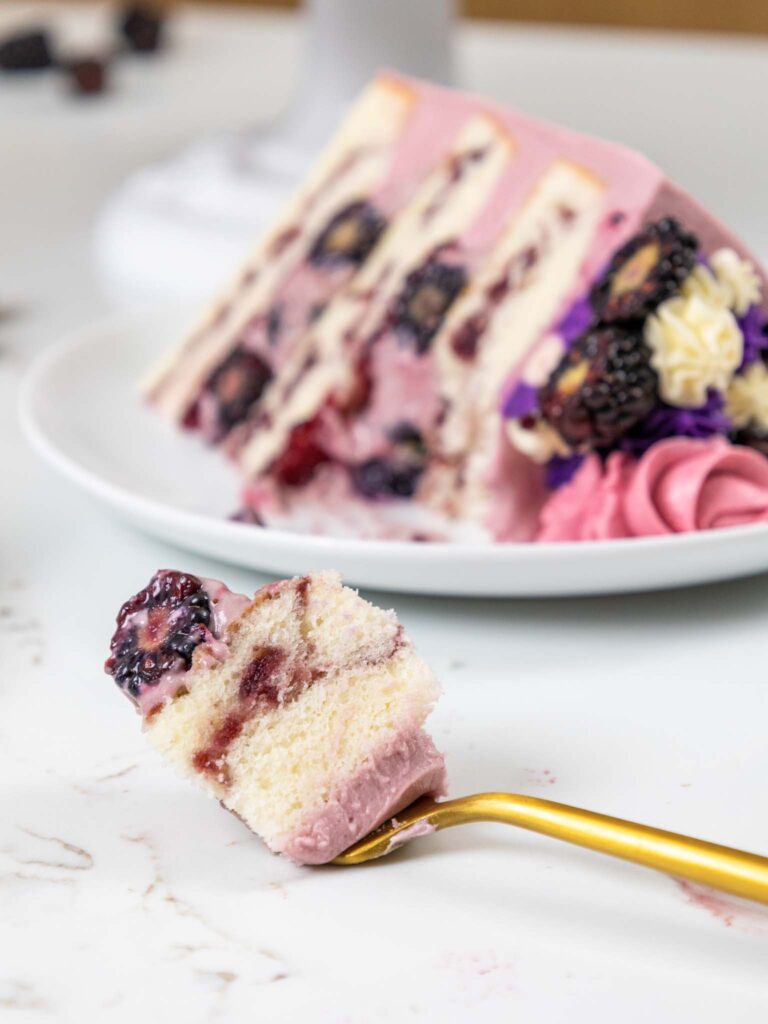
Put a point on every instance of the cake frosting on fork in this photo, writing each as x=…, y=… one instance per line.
x=301, y=709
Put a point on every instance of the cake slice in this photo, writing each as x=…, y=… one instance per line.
x=301, y=709
x=583, y=257
x=537, y=297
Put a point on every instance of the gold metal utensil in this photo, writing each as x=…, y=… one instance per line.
x=733, y=871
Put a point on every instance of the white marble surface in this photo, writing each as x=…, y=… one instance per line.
x=125, y=894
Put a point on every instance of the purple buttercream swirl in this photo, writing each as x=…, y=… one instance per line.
x=668, y=421
x=576, y=321
x=753, y=328
x=560, y=470
x=522, y=400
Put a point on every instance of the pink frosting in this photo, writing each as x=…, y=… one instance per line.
x=392, y=779
x=226, y=605
x=678, y=486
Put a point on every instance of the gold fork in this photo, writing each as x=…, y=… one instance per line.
x=719, y=867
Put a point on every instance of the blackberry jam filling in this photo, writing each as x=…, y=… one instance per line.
x=379, y=478
x=348, y=237
x=234, y=387
x=427, y=295
x=301, y=457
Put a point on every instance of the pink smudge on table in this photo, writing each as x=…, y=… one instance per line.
x=540, y=778
x=730, y=910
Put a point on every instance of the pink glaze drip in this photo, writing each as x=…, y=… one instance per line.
x=679, y=485
x=407, y=768
x=226, y=606
x=169, y=685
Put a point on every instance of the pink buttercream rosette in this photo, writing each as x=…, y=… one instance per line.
x=679, y=485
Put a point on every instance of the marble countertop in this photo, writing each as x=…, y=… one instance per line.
x=124, y=893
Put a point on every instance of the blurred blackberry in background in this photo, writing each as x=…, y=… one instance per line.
x=26, y=51
x=649, y=269
x=142, y=27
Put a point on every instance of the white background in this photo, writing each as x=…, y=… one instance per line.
x=125, y=894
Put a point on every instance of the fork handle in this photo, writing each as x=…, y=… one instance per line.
x=733, y=871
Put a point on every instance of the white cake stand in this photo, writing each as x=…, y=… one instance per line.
x=174, y=229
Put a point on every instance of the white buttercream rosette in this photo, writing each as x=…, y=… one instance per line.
x=694, y=337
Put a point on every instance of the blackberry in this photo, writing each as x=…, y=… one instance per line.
x=142, y=28
x=87, y=76
x=601, y=388
x=247, y=515
x=427, y=295
x=408, y=438
x=274, y=324
x=348, y=237
x=158, y=630
x=377, y=478
x=752, y=437
x=648, y=269
x=235, y=386
x=26, y=51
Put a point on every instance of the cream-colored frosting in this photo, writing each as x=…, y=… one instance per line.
x=702, y=282
x=539, y=442
x=746, y=400
x=543, y=360
x=737, y=278
x=696, y=345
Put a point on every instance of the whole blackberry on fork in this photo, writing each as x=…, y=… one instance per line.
x=158, y=630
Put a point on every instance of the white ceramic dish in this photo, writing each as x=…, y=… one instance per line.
x=81, y=410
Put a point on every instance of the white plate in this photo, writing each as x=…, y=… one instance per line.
x=81, y=410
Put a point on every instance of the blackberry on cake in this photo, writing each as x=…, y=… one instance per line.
x=602, y=387
x=349, y=236
x=427, y=295
x=650, y=268
x=301, y=709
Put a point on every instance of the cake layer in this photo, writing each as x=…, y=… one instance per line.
x=301, y=711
